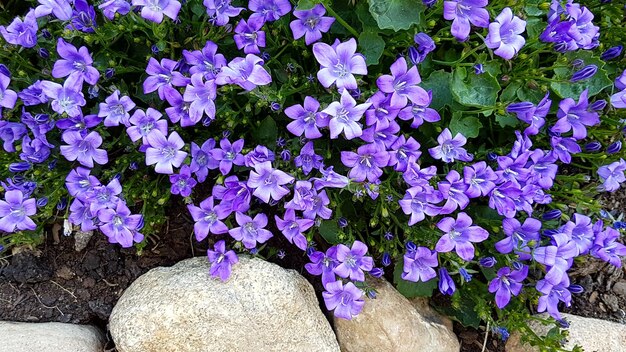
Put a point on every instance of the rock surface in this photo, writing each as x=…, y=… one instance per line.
x=49, y=337
x=262, y=307
x=392, y=323
x=593, y=335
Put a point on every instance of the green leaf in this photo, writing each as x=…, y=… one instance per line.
x=507, y=120
x=412, y=289
x=439, y=83
x=267, y=131
x=372, y=46
x=474, y=90
x=306, y=4
x=468, y=126
x=330, y=231
x=595, y=84
x=510, y=92
x=396, y=14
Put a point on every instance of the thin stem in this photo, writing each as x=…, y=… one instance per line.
x=342, y=21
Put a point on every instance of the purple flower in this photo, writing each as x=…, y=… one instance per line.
x=531, y=114
x=7, y=96
x=381, y=113
x=307, y=119
x=330, y=179
x=142, y=123
x=564, y=147
x=323, y=264
x=557, y=256
x=62, y=9
x=162, y=75
x=15, y=212
x=464, y=12
x=164, y=152
x=345, y=115
x=582, y=30
x=250, y=231
x=353, y=262
x=502, y=198
x=292, y=228
x=453, y=190
x=402, y=84
x=202, y=159
x=612, y=175
x=111, y=7
x=34, y=151
x=75, y=63
x=84, y=148
x=245, y=72
x=575, y=116
x=446, y=284
x=83, y=17
x=339, y=63
x=552, y=295
x=269, y=10
x=220, y=11
x=618, y=100
x=307, y=159
x=366, y=163
x=584, y=73
x=201, y=95
x=153, y=10
x=249, y=36
x=420, y=201
x=402, y=152
x=115, y=110
x=206, y=61
x=612, y=53
x=33, y=95
x=450, y=149
x=346, y=301
x=425, y=45
x=228, y=154
x=459, y=235
x=506, y=283
x=179, y=109
x=260, y=154
x=234, y=195
x=81, y=215
x=119, y=225
x=310, y=24
x=79, y=182
x=10, y=132
x=518, y=235
x=267, y=182
x=182, y=183
x=419, y=113
x=479, y=179
x=581, y=233
x=20, y=32
x=419, y=264
x=207, y=219
x=221, y=260
x=504, y=34
x=607, y=247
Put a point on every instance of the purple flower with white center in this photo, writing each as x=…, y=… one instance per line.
x=182, y=183
x=510, y=169
x=402, y=84
x=507, y=283
x=269, y=10
x=220, y=11
x=164, y=152
x=425, y=45
x=563, y=147
x=119, y=225
x=557, y=257
x=61, y=9
x=345, y=115
x=479, y=179
x=115, y=110
x=339, y=63
x=202, y=96
x=206, y=61
x=502, y=198
x=612, y=175
x=83, y=17
x=464, y=12
x=384, y=137
x=353, y=262
x=381, y=112
x=249, y=36
x=251, y=231
x=111, y=7
x=582, y=29
x=7, y=96
x=10, y=132
x=154, y=10
x=142, y=123
x=416, y=176
x=316, y=204
x=346, y=301
x=75, y=63
x=504, y=34
x=84, y=148
x=65, y=98
x=292, y=228
x=79, y=123
x=307, y=159
x=33, y=95
x=161, y=75
x=207, y=219
x=518, y=235
x=81, y=215
x=366, y=163
x=34, y=151
x=419, y=264
x=15, y=212
x=420, y=201
x=330, y=179
x=179, y=109
x=420, y=113
x=260, y=154
x=221, y=260
x=235, y=195
x=446, y=284
x=202, y=160
x=531, y=114
x=552, y=295
x=581, y=232
x=79, y=182
x=310, y=24
x=453, y=190
x=323, y=264
x=459, y=235
x=267, y=182
x=450, y=149
x=402, y=150
x=307, y=119
x=228, y=154
x=607, y=247
x=20, y=32
x=245, y=72
x=575, y=116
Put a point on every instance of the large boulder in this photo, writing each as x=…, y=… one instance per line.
x=392, y=323
x=593, y=335
x=49, y=337
x=262, y=307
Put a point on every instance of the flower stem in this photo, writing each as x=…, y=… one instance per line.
x=342, y=21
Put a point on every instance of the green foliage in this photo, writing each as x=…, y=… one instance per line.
x=396, y=14
x=474, y=90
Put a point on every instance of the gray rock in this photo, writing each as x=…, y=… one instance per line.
x=620, y=288
x=262, y=307
x=49, y=337
x=593, y=335
x=392, y=323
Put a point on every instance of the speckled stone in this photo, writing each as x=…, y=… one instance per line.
x=262, y=307
x=391, y=323
x=49, y=337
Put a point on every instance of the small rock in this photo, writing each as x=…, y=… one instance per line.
x=391, y=323
x=81, y=239
x=611, y=302
x=593, y=297
x=620, y=288
x=89, y=282
x=593, y=335
x=50, y=337
x=65, y=273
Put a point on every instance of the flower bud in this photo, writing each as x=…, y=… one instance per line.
x=593, y=147
x=414, y=55
x=487, y=262
x=466, y=276
x=275, y=106
x=576, y=289
x=19, y=167
x=429, y=3
x=619, y=225
x=614, y=147
x=62, y=203
x=5, y=70
x=386, y=259
x=612, y=53
x=285, y=154
x=377, y=272
x=155, y=49
x=109, y=73
x=411, y=247
x=519, y=107
x=342, y=222
x=598, y=105
x=518, y=265
x=491, y=156
x=46, y=34
x=584, y=73
x=578, y=63
x=371, y=294
x=479, y=69
x=446, y=284
x=42, y=202
x=44, y=53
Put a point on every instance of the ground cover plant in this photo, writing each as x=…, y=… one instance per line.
x=457, y=146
